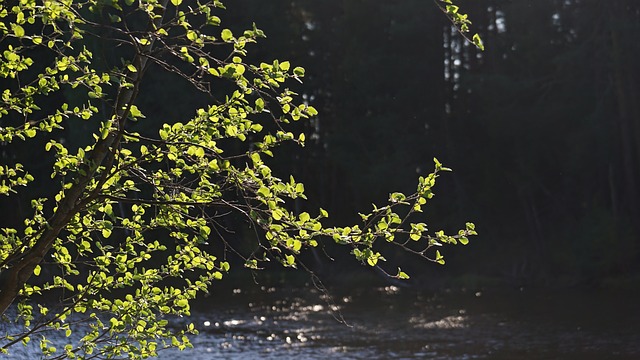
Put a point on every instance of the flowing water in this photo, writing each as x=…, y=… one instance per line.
x=393, y=323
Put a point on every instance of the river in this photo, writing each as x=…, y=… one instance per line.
x=388, y=322
x=394, y=323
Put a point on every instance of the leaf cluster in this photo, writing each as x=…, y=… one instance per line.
x=460, y=21
x=125, y=241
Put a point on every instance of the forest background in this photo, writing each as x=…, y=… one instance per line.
x=541, y=128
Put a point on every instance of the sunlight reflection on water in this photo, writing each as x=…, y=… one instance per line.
x=448, y=322
x=395, y=323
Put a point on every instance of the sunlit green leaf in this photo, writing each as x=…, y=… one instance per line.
x=17, y=30
x=226, y=35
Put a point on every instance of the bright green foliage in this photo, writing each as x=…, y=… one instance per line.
x=460, y=21
x=126, y=238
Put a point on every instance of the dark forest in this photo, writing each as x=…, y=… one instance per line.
x=541, y=128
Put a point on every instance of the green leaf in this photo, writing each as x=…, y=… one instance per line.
x=438, y=164
x=477, y=41
x=255, y=157
x=277, y=214
x=297, y=245
x=298, y=71
x=259, y=104
x=213, y=20
x=226, y=35
x=402, y=275
x=439, y=258
x=135, y=112
x=397, y=197
x=176, y=2
x=264, y=192
x=17, y=30
x=231, y=130
x=224, y=266
x=290, y=259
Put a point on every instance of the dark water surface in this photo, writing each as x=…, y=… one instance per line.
x=393, y=323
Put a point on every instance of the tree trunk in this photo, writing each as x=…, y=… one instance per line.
x=625, y=91
x=20, y=266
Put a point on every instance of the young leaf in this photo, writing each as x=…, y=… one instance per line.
x=17, y=30
x=402, y=275
x=226, y=35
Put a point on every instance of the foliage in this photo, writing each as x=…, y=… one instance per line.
x=123, y=241
x=460, y=21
